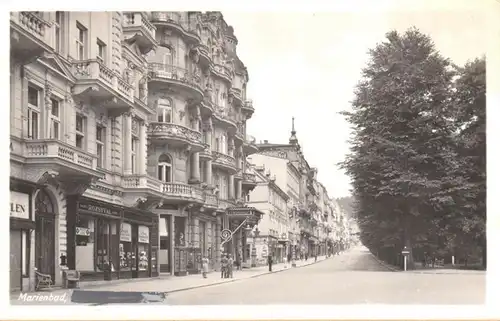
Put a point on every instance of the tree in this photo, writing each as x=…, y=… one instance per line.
x=401, y=149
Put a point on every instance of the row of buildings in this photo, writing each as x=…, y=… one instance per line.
x=130, y=157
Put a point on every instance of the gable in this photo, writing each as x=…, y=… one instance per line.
x=55, y=64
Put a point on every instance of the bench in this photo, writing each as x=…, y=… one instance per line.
x=42, y=281
x=71, y=277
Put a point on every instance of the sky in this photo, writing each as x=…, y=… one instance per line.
x=306, y=65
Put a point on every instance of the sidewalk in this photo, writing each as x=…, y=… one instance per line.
x=169, y=284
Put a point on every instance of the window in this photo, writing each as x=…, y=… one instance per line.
x=101, y=51
x=100, y=145
x=223, y=141
x=58, y=25
x=143, y=247
x=165, y=168
x=127, y=253
x=164, y=111
x=133, y=154
x=80, y=131
x=33, y=113
x=216, y=97
x=168, y=57
x=217, y=145
x=81, y=41
x=55, y=122
x=85, y=239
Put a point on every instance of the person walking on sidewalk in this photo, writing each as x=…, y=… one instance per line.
x=316, y=257
x=223, y=267
x=204, y=265
x=270, y=262
x=230, y=264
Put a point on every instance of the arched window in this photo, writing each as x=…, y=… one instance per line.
x=165, y=168
x=164, y=110
x=43, y=203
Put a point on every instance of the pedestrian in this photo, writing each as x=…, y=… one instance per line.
x=230, y=266
x=204, y=265
x=223, y=266
x=289, y=258
x=306, y=256
x=316, y=257
x=270, y=262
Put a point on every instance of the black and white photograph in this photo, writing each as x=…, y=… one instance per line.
x=270, y=156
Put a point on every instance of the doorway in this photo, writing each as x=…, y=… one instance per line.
x=45, y=234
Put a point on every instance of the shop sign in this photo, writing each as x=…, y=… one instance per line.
x=98, y=209
x=19, y=205
x=126, y=233
x=143, y=232
x=82, y=231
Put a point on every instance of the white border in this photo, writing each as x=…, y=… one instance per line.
x=272, y=312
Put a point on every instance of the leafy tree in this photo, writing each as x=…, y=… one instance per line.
x=401, y=149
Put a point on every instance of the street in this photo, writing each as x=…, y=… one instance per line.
x=354, y=277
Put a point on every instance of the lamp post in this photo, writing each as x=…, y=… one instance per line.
x=256, y=233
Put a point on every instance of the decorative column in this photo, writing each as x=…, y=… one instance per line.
x=195, y=228
x=217, y=248
x=143, y=148
x=208, y=163
x=127, y=143
x=231, y=187
x=238, y=189
x=48, y=109
x=171, y=250
x=195, y=168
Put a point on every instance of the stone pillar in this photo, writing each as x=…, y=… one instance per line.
x=208, y=172
x=217, y=249
x=127, y=143
x=171, y=250
x=195, y=168
x=48, y=110
x=238, y=189
x=231, y=187
x=143, y=149
x=195, y=228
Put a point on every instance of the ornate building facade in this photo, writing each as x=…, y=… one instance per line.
x=128, y=140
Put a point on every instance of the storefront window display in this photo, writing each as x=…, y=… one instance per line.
x=126, y=250
x=143, y=247
x=85, y=238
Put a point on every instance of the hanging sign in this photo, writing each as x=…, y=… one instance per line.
x=143, y=234
x=82, y=231
x=126, y=233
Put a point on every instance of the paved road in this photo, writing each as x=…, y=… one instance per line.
x=352, y=278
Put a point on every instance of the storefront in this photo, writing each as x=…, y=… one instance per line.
x=22, y=225
x=106, y=241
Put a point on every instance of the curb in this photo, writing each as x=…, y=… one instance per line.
x=234, y=280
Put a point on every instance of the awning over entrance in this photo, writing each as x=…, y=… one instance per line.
x=251, y=214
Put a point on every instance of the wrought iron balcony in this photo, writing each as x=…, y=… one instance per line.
x=162, y=75
x=137, y=26
x=176, y=135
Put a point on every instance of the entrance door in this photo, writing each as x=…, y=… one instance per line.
x=15, y=259
x=44, y=234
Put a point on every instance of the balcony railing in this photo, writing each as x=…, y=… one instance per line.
x=58, y=149
x=224, y=159
x=175, y=73
x=211, y=200
x=32, y=22
x=183, y=190
x=226, y=114
x=177, y=19
x=175, y=131
x=139, y=19
x=96, y=70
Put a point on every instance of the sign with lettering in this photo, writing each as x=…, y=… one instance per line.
x=143, y=234
x=98, y=209
x=126, y=233
x=19, y=205
x=82, y=231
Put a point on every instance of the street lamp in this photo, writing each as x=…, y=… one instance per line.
x=256, y=234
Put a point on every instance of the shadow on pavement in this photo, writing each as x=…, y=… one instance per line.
x=112, y=297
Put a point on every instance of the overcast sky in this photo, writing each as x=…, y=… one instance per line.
x=306, y=64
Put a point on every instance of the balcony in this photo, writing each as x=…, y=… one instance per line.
x=206, y=153
x=250, y=146
x=238, y=175
x=175, y=135
x=247, y=108
x=211, y=200
x=236, y=94
x=164, y=76
x=70, y=164
x=175, y=22
x=204, y=54
x=100, y=85
x=249, y=180
x=226, y=117
x=239, y=135
x=30, y=35
x=222, y=72
x=224, y=161
x=139, y=30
